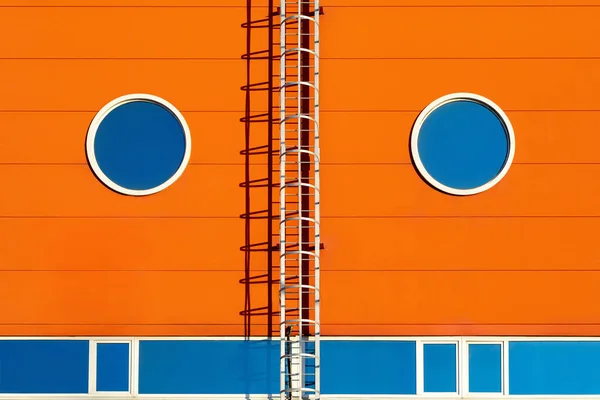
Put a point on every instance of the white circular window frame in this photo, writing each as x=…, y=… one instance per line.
x=107, y=109
x=450, y=98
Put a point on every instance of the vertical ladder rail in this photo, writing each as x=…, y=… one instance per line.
x=299, y=200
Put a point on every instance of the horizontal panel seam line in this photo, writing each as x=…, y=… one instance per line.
x=323, y=217
x=117, y=324
x=357, y=111
x=419, y=110
x=341, y=163
x=329, y=6
x=470, y=6
x=128, y=6
x=464, y=324
x=116, y=217
x=327, y=270
x=323, y=324
x=240, y=270
x=321, y=58
x=122, y=59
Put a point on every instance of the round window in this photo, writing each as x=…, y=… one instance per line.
x=462, y=144
x=138, y=144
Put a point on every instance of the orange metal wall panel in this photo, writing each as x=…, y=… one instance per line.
x=125, y=32
x=124, y=244
x=78, y=259
x=88, y=84
x=406, y=259
x=531, y=190
x=72, y=191
x=459, y=32
x=189, y=299
x=469, y=301
x=410, y=85
x=400, y=258
x=458, y=244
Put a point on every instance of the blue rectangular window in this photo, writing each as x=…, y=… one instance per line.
x=44, y=366
x=209, y=367
x=554, y=368
x=439, y=367
x=112, y=367
x=485, y=368
x=362, y=367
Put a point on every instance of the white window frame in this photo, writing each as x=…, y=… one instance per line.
x=105, y=111
x=503, y=368
x=93, y=373
x=440, y=102
x=421, y=366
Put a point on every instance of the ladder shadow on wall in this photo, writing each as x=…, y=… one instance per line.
x=260, y=185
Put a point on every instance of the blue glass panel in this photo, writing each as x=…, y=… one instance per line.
x=44, y=366
x=112, y=367
x=140, y=145
x=485, y=368
x=209, y=367
x=554, y=368
x=368, y=367
x=439, y=368
x=309, y=366
x=463, y=144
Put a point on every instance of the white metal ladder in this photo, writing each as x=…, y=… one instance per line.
x=299, y=200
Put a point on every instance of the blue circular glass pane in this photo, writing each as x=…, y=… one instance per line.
x=140, y=145
x=463, y=144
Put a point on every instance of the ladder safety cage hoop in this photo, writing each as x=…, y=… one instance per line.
x=298, y=17
x=300, y=83
x=292, y=150
x=299, y=184
x=307, y=355
x=302, y=320
x=295, y=50
x=299, y=286
x=299, y=116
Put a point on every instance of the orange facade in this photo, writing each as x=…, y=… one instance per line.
x=400, y=258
